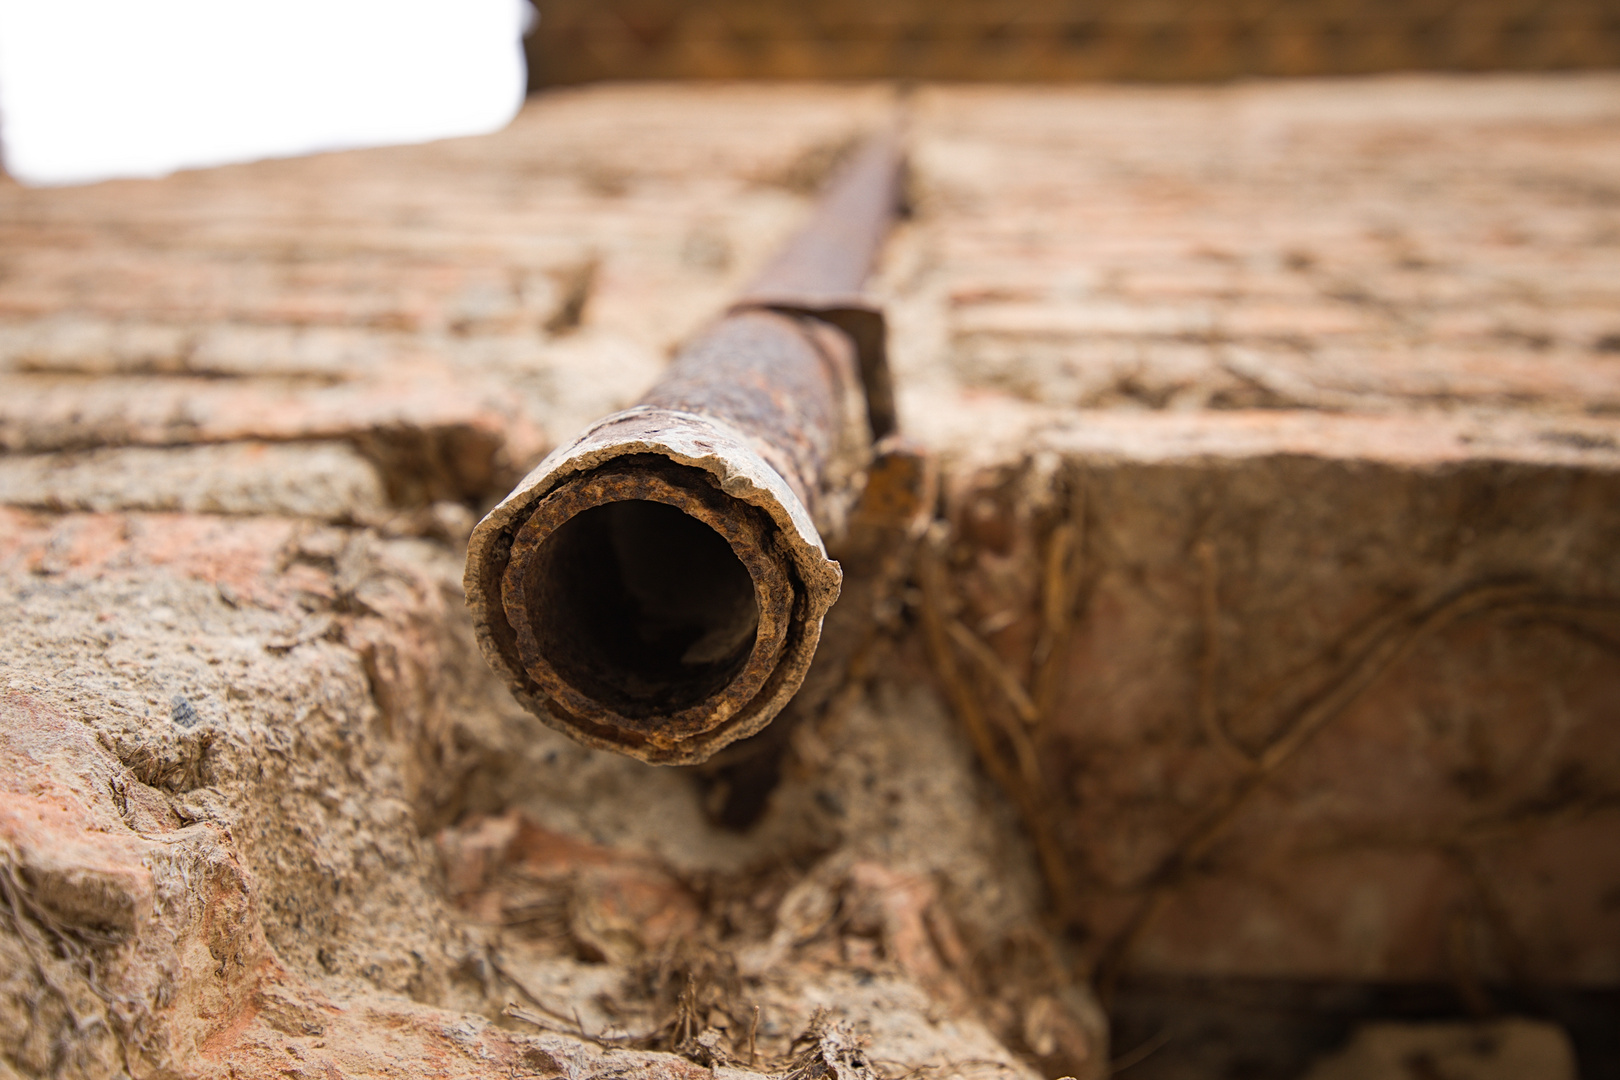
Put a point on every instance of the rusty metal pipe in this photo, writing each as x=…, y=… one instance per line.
x=657, y=586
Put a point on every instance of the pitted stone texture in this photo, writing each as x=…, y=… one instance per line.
x=325, y=481
x=134, y=946
x=237, y=736
x=229, y=663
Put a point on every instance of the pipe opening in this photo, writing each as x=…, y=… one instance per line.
x=641, y=607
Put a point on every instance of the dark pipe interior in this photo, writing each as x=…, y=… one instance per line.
x=642, y=607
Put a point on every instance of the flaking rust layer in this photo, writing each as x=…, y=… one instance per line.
x=740, y=473
x=779, y=402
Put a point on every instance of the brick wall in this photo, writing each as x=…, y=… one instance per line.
x=1175, y=40
x=1275, y=575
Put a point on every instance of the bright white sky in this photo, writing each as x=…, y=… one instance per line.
x=92, y=89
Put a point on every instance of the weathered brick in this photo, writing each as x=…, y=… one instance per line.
x=1397, y=397
x=326, y=481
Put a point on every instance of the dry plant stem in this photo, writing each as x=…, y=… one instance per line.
x=956, y=1067
x=1029, y=768
x=28, y=918
x=1000, y=675
x=1392, y=640
x=572, y=1028
x=1060, y=596
x=1141, y=1053
x=11, y=892
x=1022, y=780
x=1209, y=661
x=1297, y=688
x=534, y=999
x=1496, y=913
x=1506, y=826
x=1025, y=788
x=931, y=574
x=1383, y=654
x=1464, y=978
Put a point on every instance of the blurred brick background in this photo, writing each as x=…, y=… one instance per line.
x=1043, y=40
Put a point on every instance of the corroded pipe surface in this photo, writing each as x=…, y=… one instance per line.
x=658, y=585
x=832, y=255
